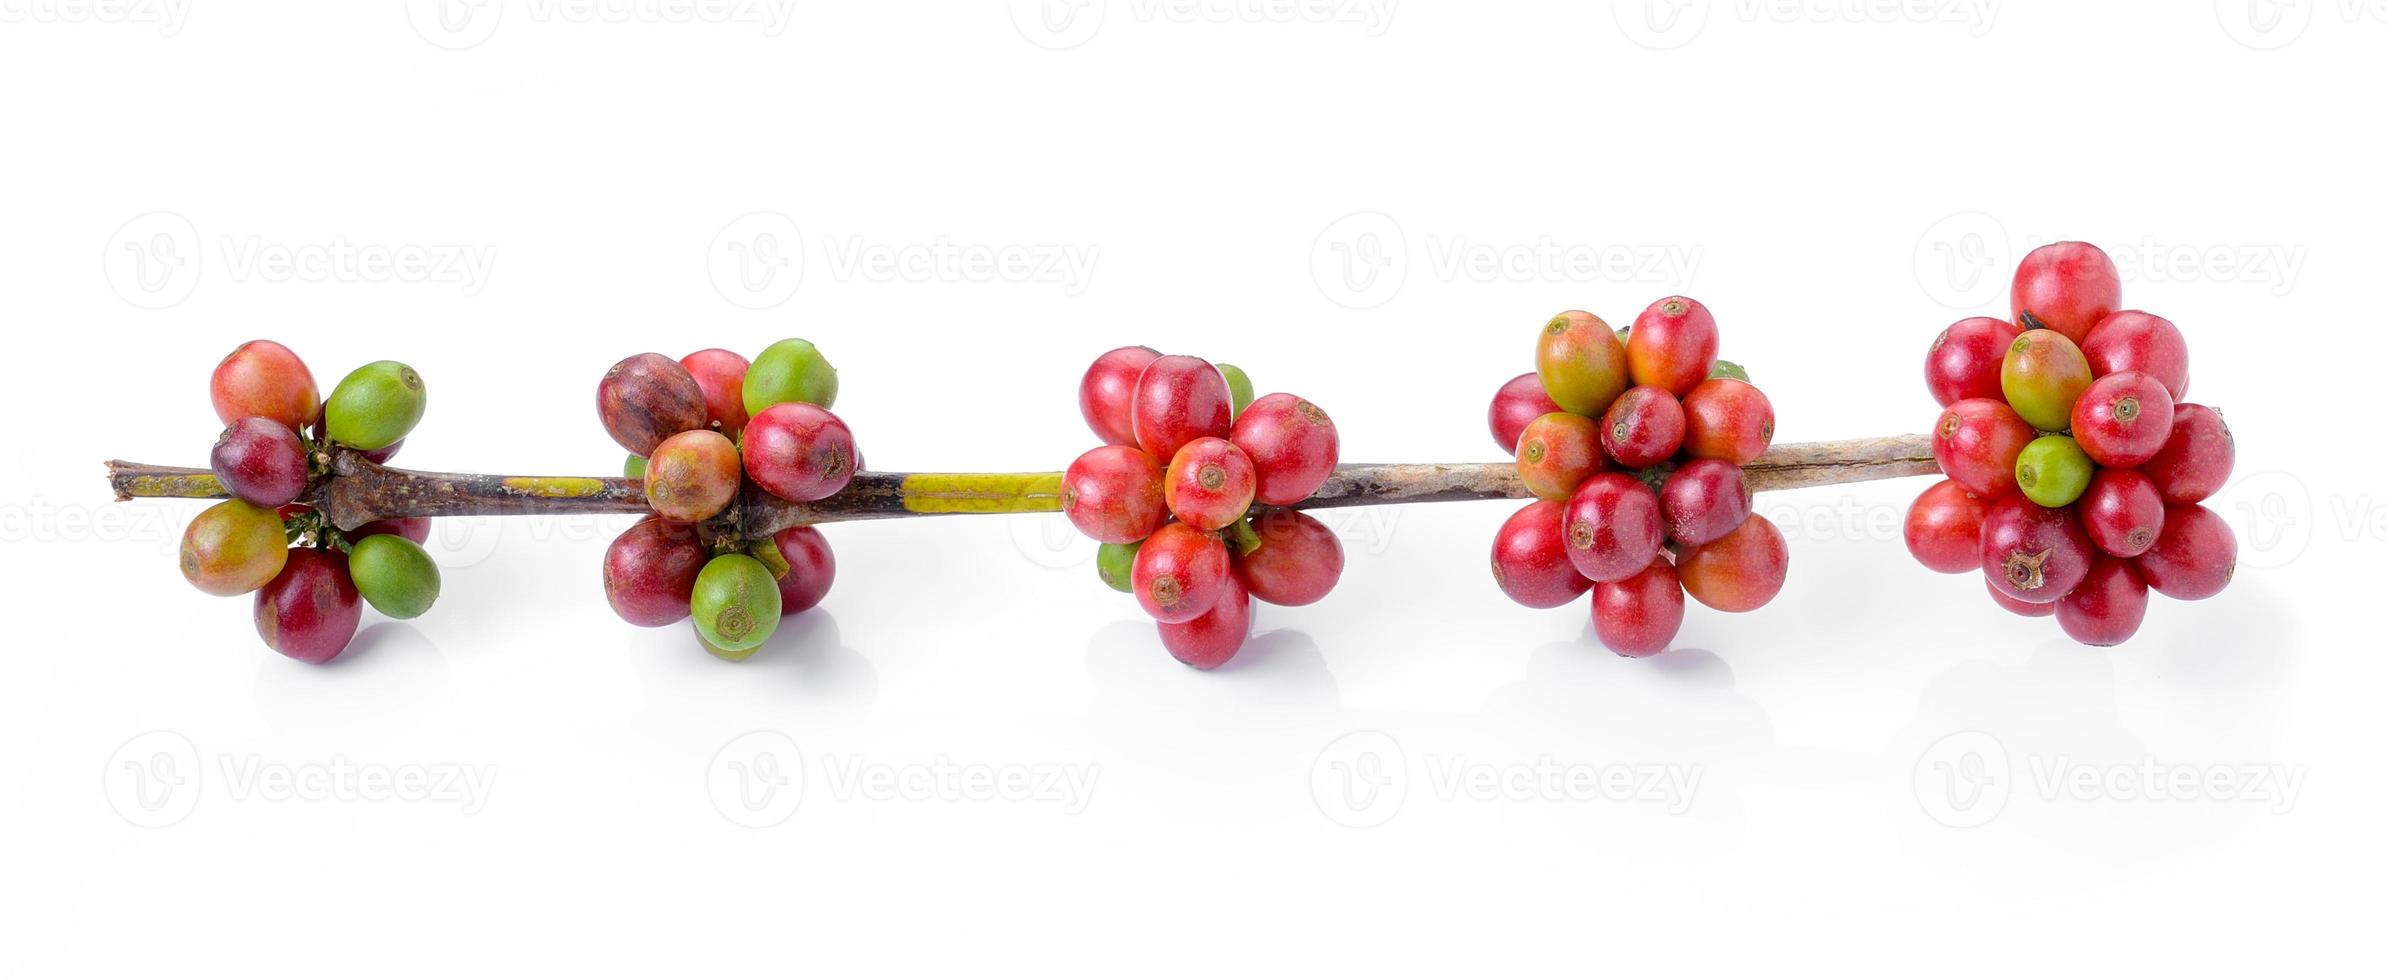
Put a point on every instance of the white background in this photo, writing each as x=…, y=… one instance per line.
x=1880, y=771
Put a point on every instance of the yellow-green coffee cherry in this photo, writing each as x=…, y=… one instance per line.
x=789, y=371
x=375, y=405
x=396, y=575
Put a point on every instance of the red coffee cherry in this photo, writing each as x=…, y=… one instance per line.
x=2135, y=340
x=261, y=461
x=1557, y=452
x=1292, y=445
x=1106, y=395
x=1114, y=494
x=1180, y=573
x=2068, y=287
x=1672, y=345
x=2122, y=512
x=308, y=612
x=1727, y=419
x=1977, y=442
x=1643, y=428
x=650, y=571
x=415, y=529
x=1298, y=561
x=1179, y=399
x=263, y=378
x=2196, y=461
x=1943, y=528
x=1209, y=484
x=2194, y=557
x=1702, y=501
x=1966, y=359
x=1638, y=616
x=721, y=375
x=1739, y=572
x=2107, y=607
x=2033, y=553
x=2033, y=610
x=811, y=567
x=2123, y=420
x=1529, y=558
x=1613, y=528
x=1518, y=402
x=798, y=451
x=1212, y=638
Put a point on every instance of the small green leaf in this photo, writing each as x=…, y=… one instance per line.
x=1727, y=369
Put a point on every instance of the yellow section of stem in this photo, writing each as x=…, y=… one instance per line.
x=982, y=493
x=178, y=485
x=556, y=486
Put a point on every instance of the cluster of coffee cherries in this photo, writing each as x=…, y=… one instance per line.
x=1188, y=496
x=308, y=576
x=697, y=430
x=1632, y=443
x=2075, y=469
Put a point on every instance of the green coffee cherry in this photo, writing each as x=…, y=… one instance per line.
x=1116, y=564
x=736, y=604
x=1239, y=386
x=635, y=468
x=374, y=406
x=396, y=575
x=789, y=371
x=733, y=656
x=2054, y=471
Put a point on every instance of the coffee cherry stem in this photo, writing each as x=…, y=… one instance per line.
x=358, y=491
x=1242, y=538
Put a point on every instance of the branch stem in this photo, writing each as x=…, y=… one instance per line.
x=358, y=491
